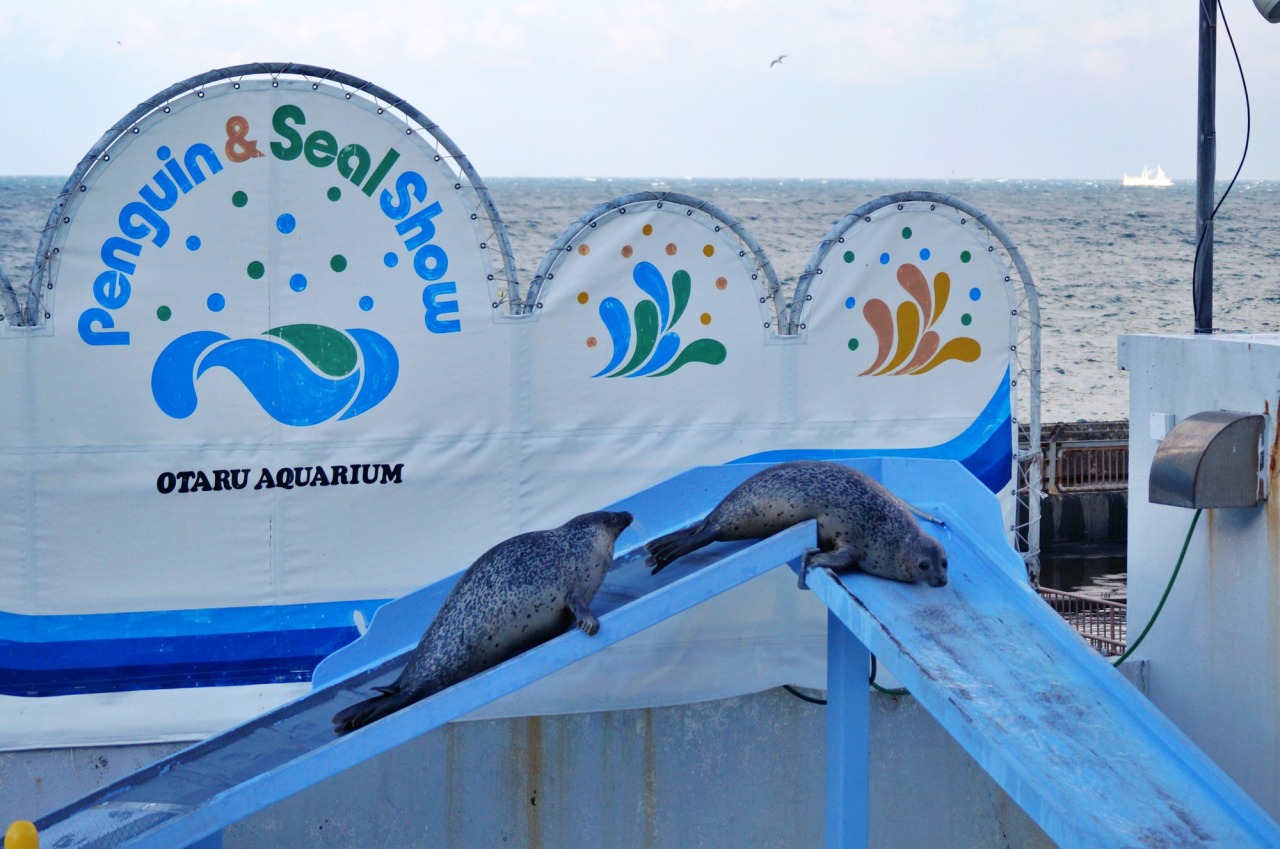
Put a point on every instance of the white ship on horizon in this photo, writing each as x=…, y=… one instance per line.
x=1153, y=179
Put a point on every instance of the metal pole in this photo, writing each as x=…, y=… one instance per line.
x=848, y=815
x=1206, y=154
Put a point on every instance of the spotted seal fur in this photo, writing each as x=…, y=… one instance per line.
x=860, y=523
x=520, y=593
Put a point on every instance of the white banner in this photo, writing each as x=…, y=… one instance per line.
x=279, y=385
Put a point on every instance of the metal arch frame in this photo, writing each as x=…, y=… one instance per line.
x=9, y=304
x=1030, y=458
x=31, y=312
x=545, y=272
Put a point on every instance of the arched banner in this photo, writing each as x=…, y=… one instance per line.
x=273, y=368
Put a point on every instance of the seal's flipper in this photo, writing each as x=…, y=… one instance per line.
x=362, y=713
x=836, y=560
x=676, y=544
x=584, y=619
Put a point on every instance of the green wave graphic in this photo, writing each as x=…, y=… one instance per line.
x=646, y=325
x=681, y=285
x=707, y=351
x=329, y=350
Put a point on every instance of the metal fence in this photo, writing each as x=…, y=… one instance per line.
x=1086, y=457
x=1102, y=623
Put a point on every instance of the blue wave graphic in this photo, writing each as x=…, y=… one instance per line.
x=614, y=315
x=284, y=382
x=651, y=282
x=381, y=368
x=668, y=347
x=173, y=378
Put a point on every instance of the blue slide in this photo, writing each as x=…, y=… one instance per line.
x=1066, y=736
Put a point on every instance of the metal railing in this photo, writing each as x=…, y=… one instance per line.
x=1086, y=457
x=1102, y=623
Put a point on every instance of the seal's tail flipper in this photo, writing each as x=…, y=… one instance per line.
x=389, y=700
x=666, y=548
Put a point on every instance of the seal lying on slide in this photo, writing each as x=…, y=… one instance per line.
x=860, y=523
x=520, y=593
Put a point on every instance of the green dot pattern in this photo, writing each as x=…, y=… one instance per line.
x=164, y=313
x=334, y=193
x=239, y=199
x=853, y=344
x=848, y=256
x=256, y=270
x=338, y=263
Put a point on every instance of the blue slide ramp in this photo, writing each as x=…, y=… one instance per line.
x=186, y=800
x=1083, y=753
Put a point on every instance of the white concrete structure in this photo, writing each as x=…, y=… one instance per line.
x=1214, y=653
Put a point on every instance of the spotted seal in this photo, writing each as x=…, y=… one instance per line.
x=860, y=523
x=520, y=593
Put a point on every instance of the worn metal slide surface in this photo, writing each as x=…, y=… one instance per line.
x=1086, y=755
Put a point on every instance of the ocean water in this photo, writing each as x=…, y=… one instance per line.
x=1105, y=260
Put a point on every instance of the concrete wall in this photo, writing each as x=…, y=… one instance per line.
x=1081, y=520
x=34, y=783
x=1214, y=654
x=746, y=771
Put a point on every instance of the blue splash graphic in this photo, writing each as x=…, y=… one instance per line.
x=614, y=315
x=289, y=385
x=657, y=347
x=650, y=281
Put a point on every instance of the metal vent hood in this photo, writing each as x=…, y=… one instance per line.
x=1211, y=459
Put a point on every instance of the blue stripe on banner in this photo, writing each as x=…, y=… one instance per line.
x=115, y=652
x=985, y=448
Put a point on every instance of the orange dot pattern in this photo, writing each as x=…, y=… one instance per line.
x=671, y=248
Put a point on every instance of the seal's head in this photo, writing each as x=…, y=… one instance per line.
x=927, y=561
x=620, y=519
x=613, y=522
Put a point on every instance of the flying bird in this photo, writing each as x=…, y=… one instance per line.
x=778, y=61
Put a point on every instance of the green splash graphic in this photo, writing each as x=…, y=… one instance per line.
x=709, y=351
x=329, y=350
x=681, y=286
x=646, y=324
x=657, y=350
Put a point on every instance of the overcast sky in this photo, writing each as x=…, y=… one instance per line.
x=685, y=88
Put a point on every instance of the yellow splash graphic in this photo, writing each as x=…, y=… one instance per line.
x=918, y=348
